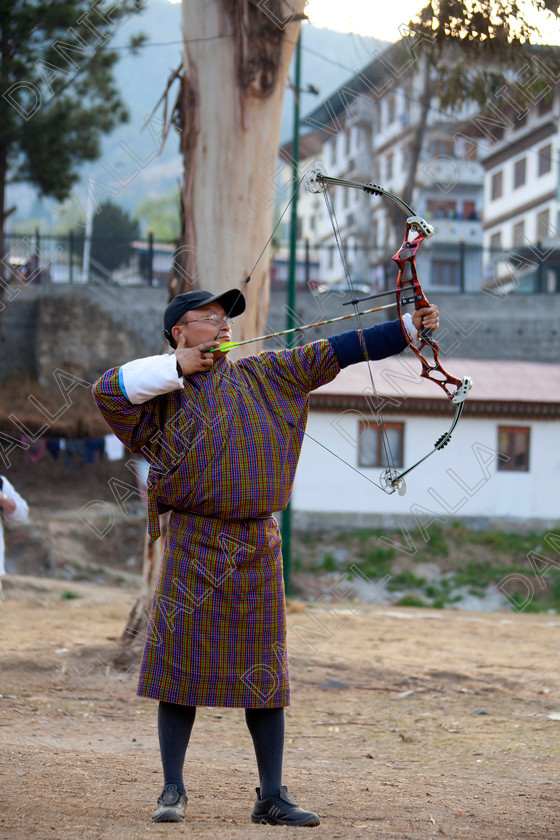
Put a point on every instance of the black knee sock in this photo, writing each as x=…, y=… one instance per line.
x=175, y=724
x=267, y=731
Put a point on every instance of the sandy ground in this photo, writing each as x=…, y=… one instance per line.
x=407, y=724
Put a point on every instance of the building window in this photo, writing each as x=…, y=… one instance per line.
x=545, y=104
x=519, y=172
x=444, y=147
x=496, y=241
x=469, y=211
x=545, y=159
x=471, y=150
x=390, y=110
x=543, y=225
x=518, y=234
x=389, y=171
x=376, y=118
x=371, y=445
x=520, y=120
x=442, y=209
x=513, y=442
x=347, y=141
x=333, y=151
x=445, y=274
x=497, y=184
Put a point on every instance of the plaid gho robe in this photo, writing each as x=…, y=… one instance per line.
x=223, y=451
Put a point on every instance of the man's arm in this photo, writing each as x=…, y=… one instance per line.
x=14, y=506
x=125, y=396
x=382, y=340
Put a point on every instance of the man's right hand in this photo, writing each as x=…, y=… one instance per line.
x=194, y=359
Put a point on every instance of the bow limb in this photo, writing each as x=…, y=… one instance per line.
x=417, y=230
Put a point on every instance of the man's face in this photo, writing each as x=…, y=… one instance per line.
x=205, y=323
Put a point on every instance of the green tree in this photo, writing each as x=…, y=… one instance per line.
x=161, y=215
x=112, y=232
x=58, y=94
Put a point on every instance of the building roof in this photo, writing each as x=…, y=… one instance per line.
x=310, y=145
x=373, y=78
x=499, y=387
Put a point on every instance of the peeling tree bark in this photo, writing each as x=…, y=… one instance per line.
x=231, y=107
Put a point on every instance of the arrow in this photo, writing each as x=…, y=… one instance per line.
x=229, y=345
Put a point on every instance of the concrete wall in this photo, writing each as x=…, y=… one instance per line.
x=87, y=329
x=476, y=326
x=82, y=329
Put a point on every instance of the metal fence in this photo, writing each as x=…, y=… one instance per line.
x=76, y=258
x=452, y=267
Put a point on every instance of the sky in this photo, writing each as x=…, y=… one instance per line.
x=365, y=18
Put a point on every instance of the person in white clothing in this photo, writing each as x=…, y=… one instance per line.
x=13, y=508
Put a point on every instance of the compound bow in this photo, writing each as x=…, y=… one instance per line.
x=417, y=230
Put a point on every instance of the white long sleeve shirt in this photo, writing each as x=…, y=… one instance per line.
x=19, y=515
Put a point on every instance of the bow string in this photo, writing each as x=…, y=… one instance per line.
x=408, y=290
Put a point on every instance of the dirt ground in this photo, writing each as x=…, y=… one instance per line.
x=405, y=723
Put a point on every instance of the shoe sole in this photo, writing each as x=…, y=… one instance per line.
x=267, y=820
x=169, y=816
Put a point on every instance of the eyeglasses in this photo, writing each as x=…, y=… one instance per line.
x=214, y=319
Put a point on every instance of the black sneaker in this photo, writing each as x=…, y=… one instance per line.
x=281, y=810
x=171, y=806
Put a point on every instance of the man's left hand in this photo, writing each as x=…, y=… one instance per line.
x=426, y=318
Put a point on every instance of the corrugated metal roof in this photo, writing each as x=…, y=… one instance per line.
x=495, y=381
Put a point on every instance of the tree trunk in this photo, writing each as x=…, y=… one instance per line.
x=236, y=64
x=133, y=636
x=232, y=107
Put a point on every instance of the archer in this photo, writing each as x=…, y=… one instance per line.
x=223, y=439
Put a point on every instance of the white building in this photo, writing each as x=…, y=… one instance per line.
x=368, y=128
x=521, y=198
x=501, y=468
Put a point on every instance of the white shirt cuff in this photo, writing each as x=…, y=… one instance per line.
x=411, y=330
x=21, y=511
x=144, y=379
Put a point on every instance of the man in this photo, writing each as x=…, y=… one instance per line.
x=12, y=508
x=223, y=440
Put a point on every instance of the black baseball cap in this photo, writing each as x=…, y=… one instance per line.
x=232, y=301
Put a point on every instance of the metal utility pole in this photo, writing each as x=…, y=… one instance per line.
x=291, y=298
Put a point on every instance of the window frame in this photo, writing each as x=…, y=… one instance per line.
x=544, y=156
x=519, y=173
x=398, y=456
x=497, y=185
x=519, y=233
x=509, y=465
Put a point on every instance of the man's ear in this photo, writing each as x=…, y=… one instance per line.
x=176, y=333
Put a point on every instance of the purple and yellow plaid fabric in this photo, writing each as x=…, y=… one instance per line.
x=223, y=454
x=217, y=631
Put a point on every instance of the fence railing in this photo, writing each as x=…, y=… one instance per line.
x=453, y=267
